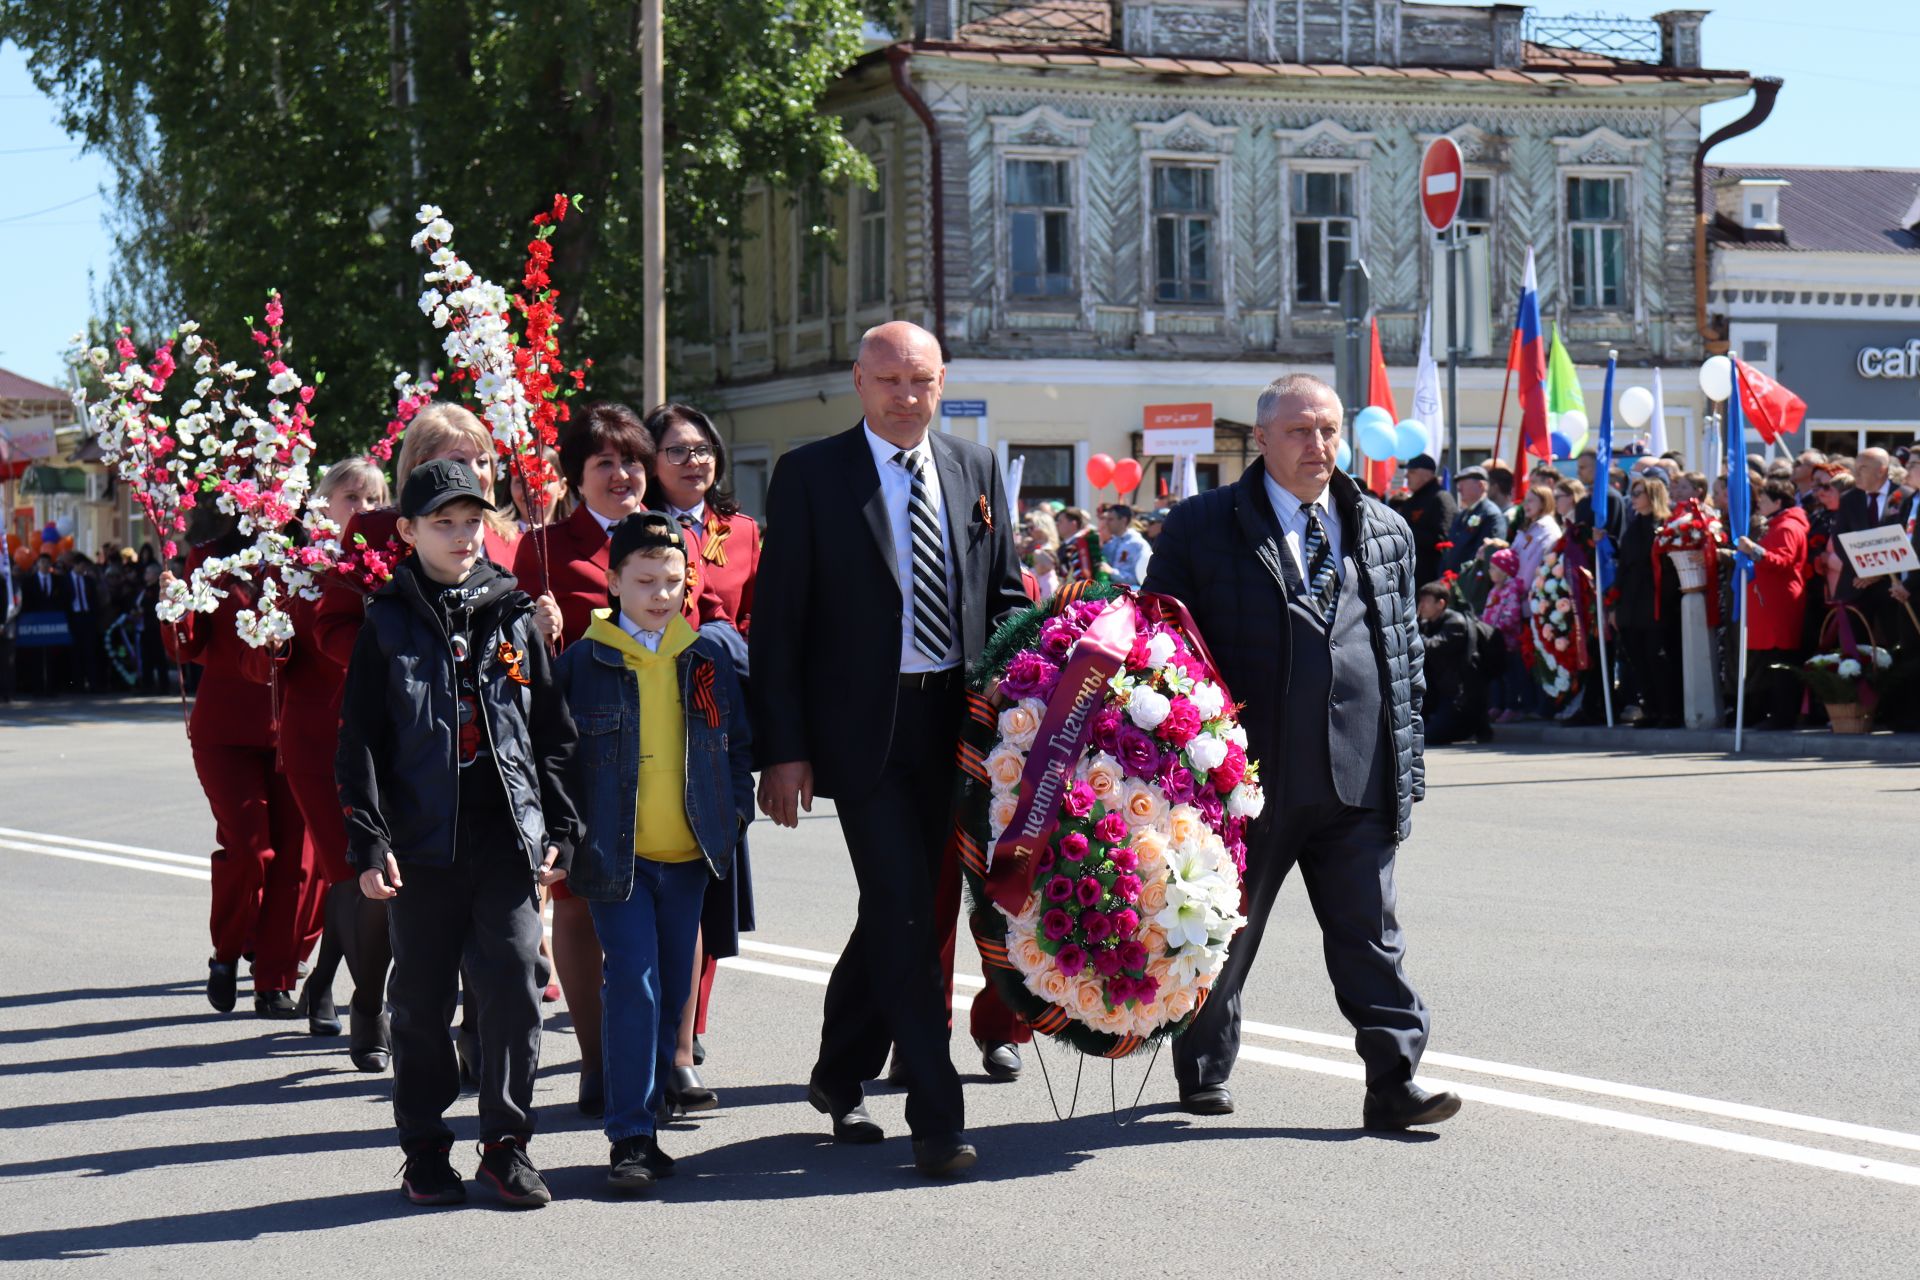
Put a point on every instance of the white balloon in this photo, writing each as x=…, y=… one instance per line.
x=1716, y=378
x=1636, y=406
x=1574, y=424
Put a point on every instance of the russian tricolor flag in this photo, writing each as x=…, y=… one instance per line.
x=1529, y=342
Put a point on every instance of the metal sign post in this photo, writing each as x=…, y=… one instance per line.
x=1356, y=299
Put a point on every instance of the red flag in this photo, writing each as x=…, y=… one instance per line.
x=1533, y=377
x=1771, y=408
x=1380, y=396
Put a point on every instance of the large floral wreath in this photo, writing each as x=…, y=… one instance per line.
x=1102, y=818
x=1556, y=649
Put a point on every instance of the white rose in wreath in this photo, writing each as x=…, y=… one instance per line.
x=1147, y=707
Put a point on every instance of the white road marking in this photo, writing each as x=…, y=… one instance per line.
x=191, y=867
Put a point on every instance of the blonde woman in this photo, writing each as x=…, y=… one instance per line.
x=1539, y=531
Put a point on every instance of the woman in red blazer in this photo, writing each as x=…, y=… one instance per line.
x=310, y=684
x=1776, y=606
x=262, y=865
x=605, y=453
x=372, y=542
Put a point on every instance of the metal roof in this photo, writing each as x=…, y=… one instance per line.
x=1828, y=210
x=13, y=386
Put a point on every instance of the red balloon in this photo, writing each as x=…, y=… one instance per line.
x=1126, y=475
x=1099, y=470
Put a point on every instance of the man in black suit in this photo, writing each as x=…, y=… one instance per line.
x=889, y=561
x=1870, y=503
x=1476, y=520
x=44, y=591
x=1304, y=590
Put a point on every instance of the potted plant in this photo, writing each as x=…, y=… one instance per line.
x=1848, y=683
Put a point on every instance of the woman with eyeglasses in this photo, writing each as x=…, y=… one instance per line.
x=723, y=546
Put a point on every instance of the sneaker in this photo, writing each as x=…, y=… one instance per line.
x=506, y=1171
x=627, y=1164
x=659, y=1163
x=428, y=1177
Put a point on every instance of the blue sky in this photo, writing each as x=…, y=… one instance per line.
x=1847, y=101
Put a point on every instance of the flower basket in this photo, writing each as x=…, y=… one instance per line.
x=1101, y=818
x=1847, y=717
x=1691, y=566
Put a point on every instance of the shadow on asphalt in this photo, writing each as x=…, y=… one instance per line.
x=26, y=998
x=247, y=1222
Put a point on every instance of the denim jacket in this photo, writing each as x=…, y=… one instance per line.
x=604, y=699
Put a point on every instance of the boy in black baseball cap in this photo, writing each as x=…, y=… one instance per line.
x=454, y=750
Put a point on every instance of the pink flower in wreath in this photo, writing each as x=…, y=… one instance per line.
x=1106, y=729
x=1079, y=800
x=1098, y=924
x=1070, y=960
x=1106, y=962
x=1088, y=892
x=1112, y=828
x=1133, y=955
x=1029, y=675
x=1073, y=846
x=1119, y=989
x=1126, y=922
x=1231, y=770
x=1125, y=858
x=1056, y=924
x=1182, y=723
x=1059, y=889
x=1126, y=887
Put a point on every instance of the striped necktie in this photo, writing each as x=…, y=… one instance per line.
x=932, y=624
x=1319, y=557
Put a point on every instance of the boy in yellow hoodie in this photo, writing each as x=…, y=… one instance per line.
x=663, y=781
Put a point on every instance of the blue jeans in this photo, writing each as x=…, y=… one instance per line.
x=648, y=971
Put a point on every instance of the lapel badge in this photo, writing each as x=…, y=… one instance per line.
x=986, y=512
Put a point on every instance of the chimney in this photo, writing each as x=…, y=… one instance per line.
x=1680, y=37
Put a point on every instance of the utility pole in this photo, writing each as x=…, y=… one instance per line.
x=1356, y=300
x=653, y=181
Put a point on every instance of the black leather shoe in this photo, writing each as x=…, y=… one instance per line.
x=369, y=1045
x=1399, y=1106
x=593, y=1094
x=1001, y=1061
x=222, y=979
x=851, y=1124
x=1214, y=1100
x=317, y=1003
x=277, y=1005
x=686, y=1093
x=943, y=1157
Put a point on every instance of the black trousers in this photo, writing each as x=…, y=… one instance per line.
x=888, y=987
x=1346, y=856
x=481, y=910
x=1773, y=697
x=1652, y=670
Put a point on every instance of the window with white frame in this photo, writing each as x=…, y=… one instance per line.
x=1185, y=233
x=1325, y=226
x=1039, y=201
x=870, y=286
x=1597, y=241
x=810, y=257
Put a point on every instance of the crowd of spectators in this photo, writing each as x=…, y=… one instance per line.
x=73, y=623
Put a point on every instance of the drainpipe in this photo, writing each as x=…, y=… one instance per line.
x=897, y=56
x=1765, y=90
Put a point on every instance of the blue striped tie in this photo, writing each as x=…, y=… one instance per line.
x=932, y=625
x=1319, y=563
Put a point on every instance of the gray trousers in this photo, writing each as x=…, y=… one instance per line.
x=1345, y=855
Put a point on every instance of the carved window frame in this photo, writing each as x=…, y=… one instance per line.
x=819, y=325
x=1602, y=153
x=738, y=335
x=1043, y=133
x=1189, y=139
x=1326, y=146
x=879, y=144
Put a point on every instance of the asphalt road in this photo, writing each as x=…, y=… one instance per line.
x=1679, y=993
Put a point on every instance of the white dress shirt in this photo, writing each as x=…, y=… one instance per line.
x=1878, y=499
x=606, y=525
x=896, y=486
x=696, y=513
x=1293, y=524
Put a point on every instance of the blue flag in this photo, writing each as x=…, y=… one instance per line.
x=1739, y=490
x=1602, y=479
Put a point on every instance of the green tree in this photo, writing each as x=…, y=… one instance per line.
x=262, y=144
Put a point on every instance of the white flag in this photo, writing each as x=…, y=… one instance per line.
x=1016, y=471
x=1426, y=390
x=1657, y=441
x=1189, y=479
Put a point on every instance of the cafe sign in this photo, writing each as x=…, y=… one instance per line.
x=1890, y=362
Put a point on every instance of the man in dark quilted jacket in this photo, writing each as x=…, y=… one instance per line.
x=1304, y=590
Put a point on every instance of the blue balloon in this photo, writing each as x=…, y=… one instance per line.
x=1562, y=447
x=1344, y=458
x=1373, y=428
x=1410, y=439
